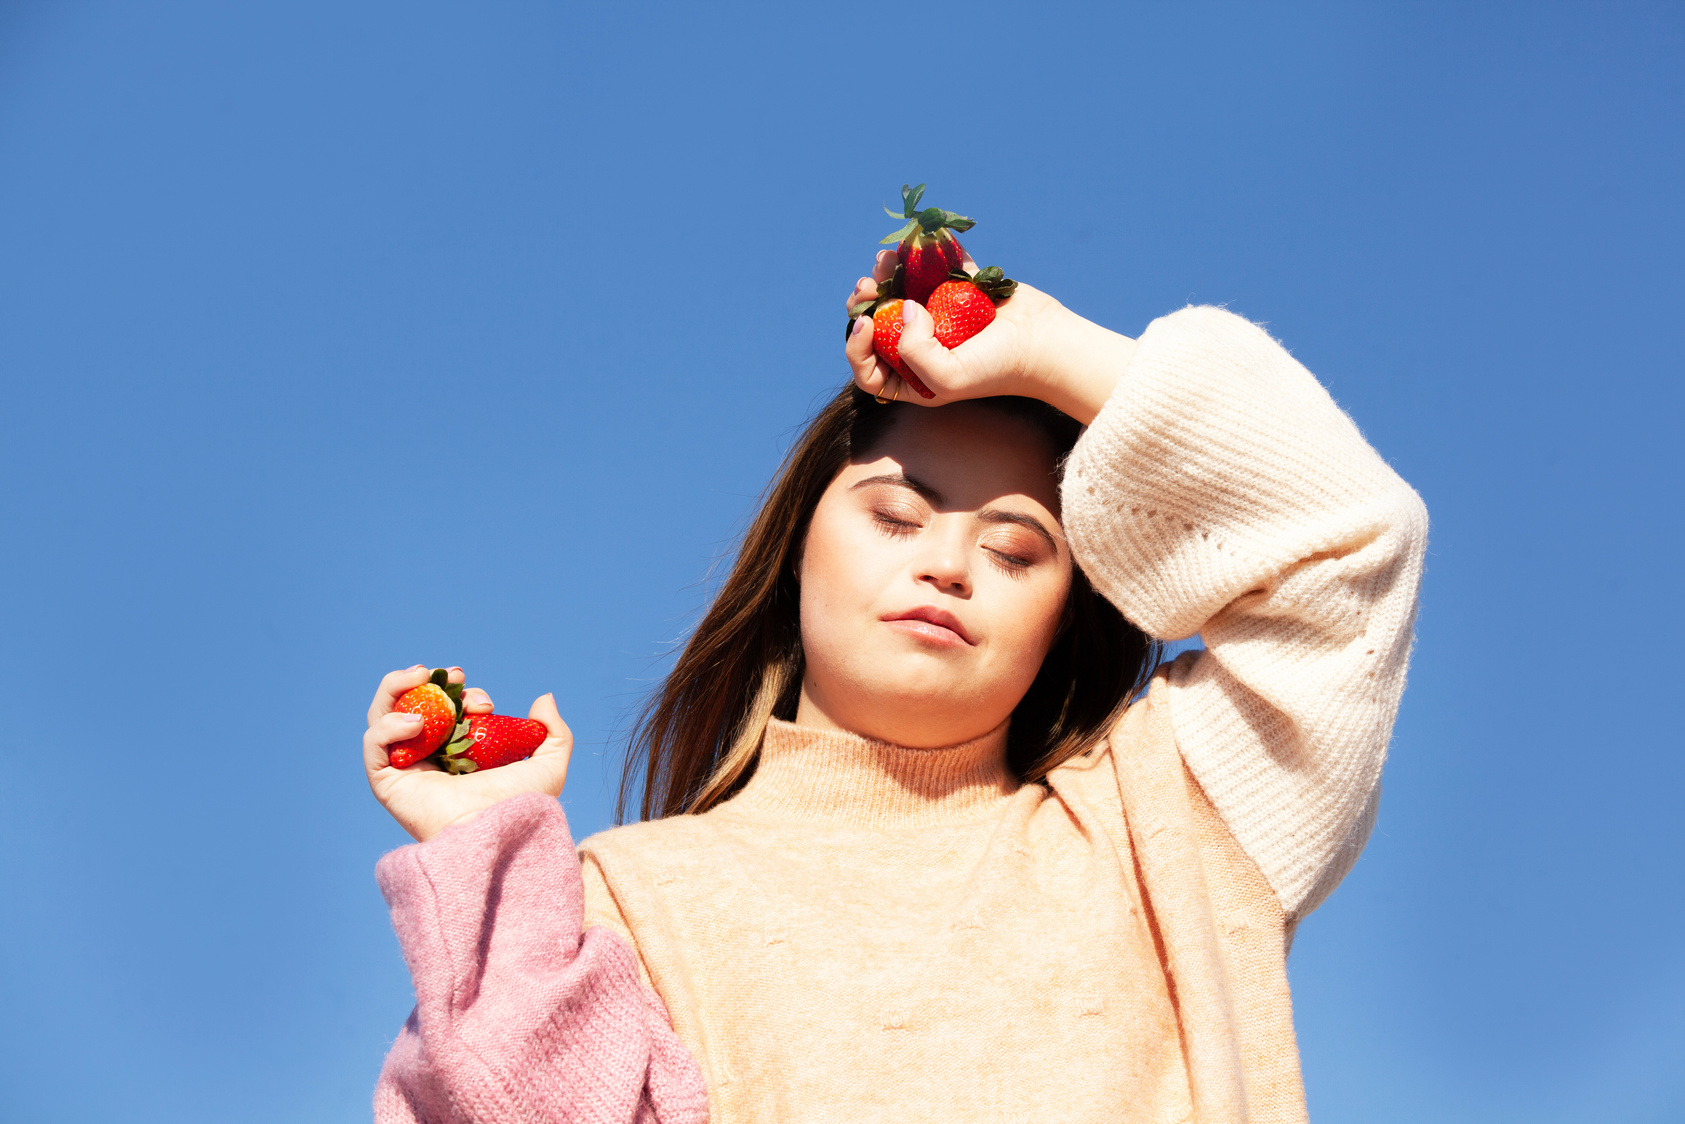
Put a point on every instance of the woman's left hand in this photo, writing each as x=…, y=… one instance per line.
x=1035, y=347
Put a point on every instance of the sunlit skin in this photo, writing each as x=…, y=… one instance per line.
x=909, y=682
x=955, y=514
x=425, y=799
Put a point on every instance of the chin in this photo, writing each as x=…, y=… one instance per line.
x=925, y=716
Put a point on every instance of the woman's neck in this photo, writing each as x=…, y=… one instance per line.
x=913, y=724
x=823, y=775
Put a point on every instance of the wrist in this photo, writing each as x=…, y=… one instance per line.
x=1081, y=364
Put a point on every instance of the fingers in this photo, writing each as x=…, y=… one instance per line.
x=553, y=756
x=859, y=346
x=867, y=288
x=455, y=675
x=884, y=266
x=382, y=732
x=476, y=701
x=930, y=362
x=865, y=291
x=394, y=684
x=544, y=710
x=871, y=374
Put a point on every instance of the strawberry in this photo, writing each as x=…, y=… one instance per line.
x=486, y=741
x=929, y=271
x=439, y=702
x=886, y=341
x=964, y=306
x=928, y=250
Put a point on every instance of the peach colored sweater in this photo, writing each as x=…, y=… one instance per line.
x=873, y=933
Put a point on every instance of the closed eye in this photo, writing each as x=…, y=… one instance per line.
x=1012, y=564
x=892, y=525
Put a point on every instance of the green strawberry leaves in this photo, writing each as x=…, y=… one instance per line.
x=889, y=290
x=994, y=282
x=910, y=197
x=441, y=678
x=934, y=219
x=930, y=220
x=900, y=235
x=454, y=756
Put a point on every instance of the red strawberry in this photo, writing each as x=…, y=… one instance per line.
x=962, y=308
x=886, y=341
x=439, y=702
x=486, y=741
x=928, y=249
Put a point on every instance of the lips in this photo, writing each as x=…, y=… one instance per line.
x=932, y=615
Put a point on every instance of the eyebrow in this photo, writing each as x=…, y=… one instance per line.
x=901, y=479
x=995, y=515
x=933, y=497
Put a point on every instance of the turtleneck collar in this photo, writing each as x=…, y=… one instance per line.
x=830, y=776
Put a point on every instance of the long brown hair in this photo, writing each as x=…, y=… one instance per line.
x=696, y=741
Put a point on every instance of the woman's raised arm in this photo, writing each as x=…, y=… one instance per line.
x=1221, y=491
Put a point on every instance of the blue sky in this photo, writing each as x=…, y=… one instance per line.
x=339, y=337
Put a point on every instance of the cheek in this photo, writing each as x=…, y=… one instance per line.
x=839, y=577
x=1028, y=614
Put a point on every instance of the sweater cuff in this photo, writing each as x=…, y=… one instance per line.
x=441, y=892
x=476, y=843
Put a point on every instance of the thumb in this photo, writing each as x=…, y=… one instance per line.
x=551, y=758
x=544, y=710
x=932, y=363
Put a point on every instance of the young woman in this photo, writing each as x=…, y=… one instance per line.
x=925, y=835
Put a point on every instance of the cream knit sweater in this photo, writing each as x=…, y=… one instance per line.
x=873, y=933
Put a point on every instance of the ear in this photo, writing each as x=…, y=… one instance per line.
x=798, y=547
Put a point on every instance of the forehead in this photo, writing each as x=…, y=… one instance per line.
x=972, y=455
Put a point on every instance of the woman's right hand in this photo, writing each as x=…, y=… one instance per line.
x=1035, y=347
x=425, y=799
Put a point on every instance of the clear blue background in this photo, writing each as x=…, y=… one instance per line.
x=336, y=337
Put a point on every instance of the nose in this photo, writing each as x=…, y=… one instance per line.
x=945, y=565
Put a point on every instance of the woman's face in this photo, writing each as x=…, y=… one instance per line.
x=933, y=579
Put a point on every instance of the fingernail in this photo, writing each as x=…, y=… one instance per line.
x=909, y=312
x=410, y=719
x=860, y=323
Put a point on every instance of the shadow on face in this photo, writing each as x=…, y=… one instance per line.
x=933, y=578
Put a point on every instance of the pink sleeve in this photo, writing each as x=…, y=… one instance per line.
x=518, y=1017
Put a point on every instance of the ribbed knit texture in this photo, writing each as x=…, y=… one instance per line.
x=873, y=933
x=830, y=777
x=1222, y=491
x=518, y=1017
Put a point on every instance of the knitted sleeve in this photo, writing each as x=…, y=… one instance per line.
x=518, y=1016
x=1222, y=492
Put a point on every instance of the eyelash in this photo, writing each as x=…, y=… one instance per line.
x=1011, y=565
x=892, y=526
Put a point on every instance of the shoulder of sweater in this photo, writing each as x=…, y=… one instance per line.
x=648, y=836
x=1096, y=768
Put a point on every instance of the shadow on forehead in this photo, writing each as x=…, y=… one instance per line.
x=872, y=423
